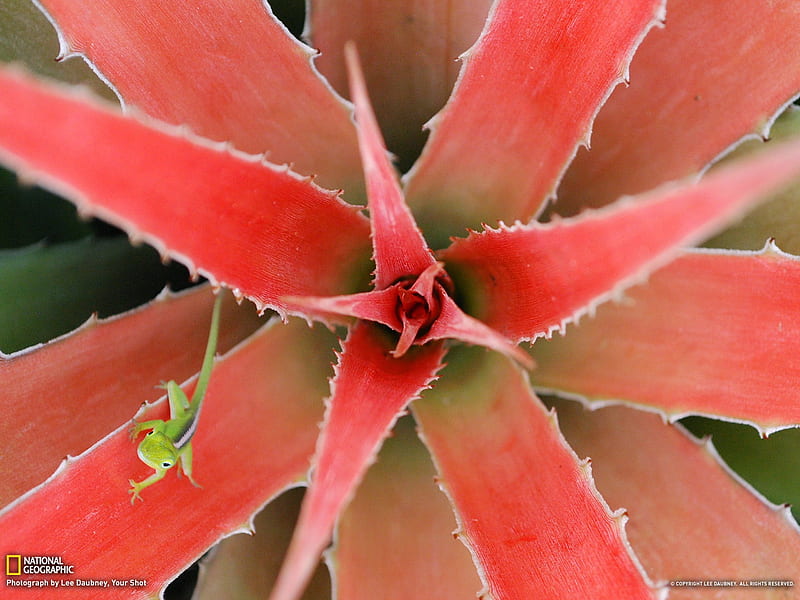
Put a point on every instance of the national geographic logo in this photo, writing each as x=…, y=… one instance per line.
x=29, y=572
x=17, y=564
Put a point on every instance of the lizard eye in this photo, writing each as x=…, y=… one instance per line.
x=150, y=433
x=166, y=465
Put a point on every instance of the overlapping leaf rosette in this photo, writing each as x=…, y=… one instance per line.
x=224, y=158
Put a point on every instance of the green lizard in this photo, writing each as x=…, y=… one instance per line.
x=170, y=441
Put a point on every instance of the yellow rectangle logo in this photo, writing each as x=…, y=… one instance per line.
x=11, y=561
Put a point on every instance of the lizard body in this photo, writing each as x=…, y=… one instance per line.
x=170, y=442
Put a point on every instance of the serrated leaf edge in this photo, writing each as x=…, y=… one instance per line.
x=87, y=209
x=68, y=460
x=164, y=296
x=594, y=403
x=658, y=20
x=619, y=517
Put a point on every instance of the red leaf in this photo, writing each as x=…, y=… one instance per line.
x=226, y=68
x=411, y=49
x=254, y=438
x=245, y=566
x=100, y=382
x=717, y=72
x=378, y=305
x=398, y=530
x=226, y=215
x=686, y=509
x=382, y=307
x=399, y=248
x=370, y=390
x=712, y=333
x=527, y=507
x=400, y=253
x=524, y=101
x=532, y=280
x=453, y=323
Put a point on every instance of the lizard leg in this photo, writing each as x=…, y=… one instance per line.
x=137, y=428
x=186, y=463
x=136, y=488
x=178, y=402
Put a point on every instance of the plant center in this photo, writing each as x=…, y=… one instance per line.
x=419, y=304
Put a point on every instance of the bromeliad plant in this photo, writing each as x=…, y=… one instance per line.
x=218, y=95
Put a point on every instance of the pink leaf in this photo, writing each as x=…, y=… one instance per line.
x=685, y=507
x=398, y=529
x=229, y=216
x=525, y=100
x=527, y=507
x=441, y=320
x=712, y=333
x=227, y=69
x=400, y=249
x=422, y=310
x=411, y=49
x=532, y=280
x=162, y=341
x=777, y=217
x=370, y=390
x=254, y=438
x=454, y=323
x=377, y=305
x=697, y=87
x=245, y=566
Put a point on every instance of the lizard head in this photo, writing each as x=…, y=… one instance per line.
x=156, y=451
